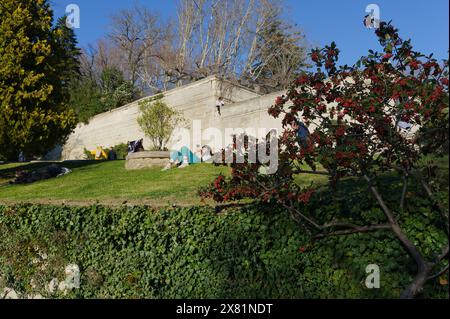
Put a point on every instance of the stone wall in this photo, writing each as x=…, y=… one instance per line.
x=243, y=109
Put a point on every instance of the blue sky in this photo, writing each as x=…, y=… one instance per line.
x=323, y=21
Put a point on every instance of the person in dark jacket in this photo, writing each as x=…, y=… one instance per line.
x=112, y=155
x=136, y=146
x=302, y=133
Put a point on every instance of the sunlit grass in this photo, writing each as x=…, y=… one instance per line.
x=109, y=182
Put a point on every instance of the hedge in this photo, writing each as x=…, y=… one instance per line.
x=137, y=252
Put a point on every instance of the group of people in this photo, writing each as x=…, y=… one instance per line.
x=185, y=156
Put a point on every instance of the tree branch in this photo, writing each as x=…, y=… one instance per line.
x=412, y=249
x=292, y=210
x=424, y=268
x=430, y=194
x=443, y=254
x=404, y=190
x=439, y=274
x=354, y=230
x=300, y=171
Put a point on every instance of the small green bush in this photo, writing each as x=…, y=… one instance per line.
x=121, y=150
x=88, y=155
x=158, y=121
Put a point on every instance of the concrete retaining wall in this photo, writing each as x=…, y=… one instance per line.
x=243, y=109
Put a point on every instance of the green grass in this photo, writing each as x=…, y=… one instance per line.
x=110, y=183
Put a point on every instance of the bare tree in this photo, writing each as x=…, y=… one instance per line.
x=228, y=38
x=159, y=59
x=220, y=37
x=99, y=57
x=134, y=31
x=87, y=62
x=212, y=36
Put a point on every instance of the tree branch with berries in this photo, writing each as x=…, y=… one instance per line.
x=357, y=116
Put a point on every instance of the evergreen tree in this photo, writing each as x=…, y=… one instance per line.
x=90, y=96
x=116, y=91
x=85, y=98
x=67, y=51
x=37, y=62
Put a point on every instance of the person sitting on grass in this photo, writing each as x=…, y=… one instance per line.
x=181, y=159
x=100, y=154
x=136, y=146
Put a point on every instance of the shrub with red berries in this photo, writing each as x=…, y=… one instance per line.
x=358, y=116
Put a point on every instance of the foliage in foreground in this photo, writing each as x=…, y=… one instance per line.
x=356, y=114
x=195, y=253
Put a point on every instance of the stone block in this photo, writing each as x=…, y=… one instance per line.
x=142, y=160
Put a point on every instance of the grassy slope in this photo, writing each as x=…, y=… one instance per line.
x=110, y=183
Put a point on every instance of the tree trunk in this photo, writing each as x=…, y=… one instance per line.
x=416, y=286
